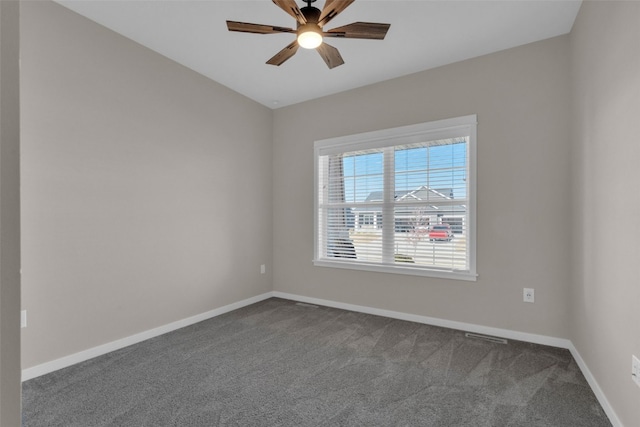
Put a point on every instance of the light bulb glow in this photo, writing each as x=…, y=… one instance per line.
x=309, y=36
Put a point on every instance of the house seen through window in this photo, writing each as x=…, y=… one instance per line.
x=400, y=200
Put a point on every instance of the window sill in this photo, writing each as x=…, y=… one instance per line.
x=412, y=271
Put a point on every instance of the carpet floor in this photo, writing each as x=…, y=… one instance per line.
x=278, y=363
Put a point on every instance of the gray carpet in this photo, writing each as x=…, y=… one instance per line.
x=276, y=363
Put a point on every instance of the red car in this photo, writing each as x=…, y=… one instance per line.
x=440, y=232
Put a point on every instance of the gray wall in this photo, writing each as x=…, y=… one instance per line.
x=521, y=97
x=128, y=170
x=9, y=215
x=146, y=188
x=605, y=298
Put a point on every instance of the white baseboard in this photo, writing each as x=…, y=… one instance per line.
x=613, y=417
x=81, y=356
x=470, y=327
x=66, y=361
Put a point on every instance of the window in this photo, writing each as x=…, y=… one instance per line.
x=399, y=200
x=366, y=219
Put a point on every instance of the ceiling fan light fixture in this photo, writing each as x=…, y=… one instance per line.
x=309, y=36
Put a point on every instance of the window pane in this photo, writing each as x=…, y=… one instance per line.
x=336, y=182
x=367, y=234
x=337, y=241
x=363, y=176
x=428, y=240
x=431, y=171
x=411, y=169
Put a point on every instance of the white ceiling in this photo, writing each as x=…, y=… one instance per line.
x=424, y=34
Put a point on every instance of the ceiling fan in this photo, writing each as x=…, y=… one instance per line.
x=310, y=34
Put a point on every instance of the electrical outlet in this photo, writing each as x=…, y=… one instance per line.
x=635, y=369
x=263, y=269
x=528, y=295
x=23, y=319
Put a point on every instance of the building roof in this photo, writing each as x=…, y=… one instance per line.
x=422, y=193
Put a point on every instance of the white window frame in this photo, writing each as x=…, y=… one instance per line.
x=430, y=131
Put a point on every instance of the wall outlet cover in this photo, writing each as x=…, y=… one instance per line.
x=528, y=295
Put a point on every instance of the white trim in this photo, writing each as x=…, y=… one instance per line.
x=470, y=327
x=388, y=216
x=452, y=324
x=438, y=129
x=66, y=361
x=392, y=269
x=472, y=215
x=90, y=353
x=608, y=409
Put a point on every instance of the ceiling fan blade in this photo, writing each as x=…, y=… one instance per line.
x=292, y=9
x=284, y=54
x=331, y=9
x=245, y=27
x=330, y=55
x=360, y=30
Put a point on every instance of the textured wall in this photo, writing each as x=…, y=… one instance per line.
x=146, y=188
x=9, y=214
x=605, y=298
x=521, y=97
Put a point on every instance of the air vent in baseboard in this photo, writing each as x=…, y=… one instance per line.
x=306, y=305
x=486, y=338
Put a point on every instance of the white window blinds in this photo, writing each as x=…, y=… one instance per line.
x=400, y=200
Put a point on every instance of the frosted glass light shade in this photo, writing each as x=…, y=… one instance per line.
x=310, y=38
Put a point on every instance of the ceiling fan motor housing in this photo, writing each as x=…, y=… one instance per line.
x=311, y=14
